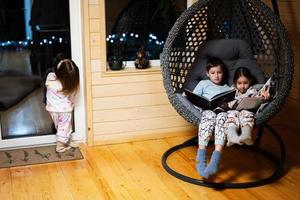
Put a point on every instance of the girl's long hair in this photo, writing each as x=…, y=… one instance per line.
x=67, y=73
x=243, y=71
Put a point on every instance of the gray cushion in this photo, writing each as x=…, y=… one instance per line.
x=226, y=49
x=233, y=52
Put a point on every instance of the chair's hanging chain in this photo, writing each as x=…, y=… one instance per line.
x=275, y=7
x=277, y=76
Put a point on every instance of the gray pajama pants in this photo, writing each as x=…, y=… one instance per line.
x=212, y=123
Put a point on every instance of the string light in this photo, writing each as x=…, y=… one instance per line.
x=123, y=38
x=49, y=41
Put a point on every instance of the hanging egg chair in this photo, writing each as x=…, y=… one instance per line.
x=241, y=33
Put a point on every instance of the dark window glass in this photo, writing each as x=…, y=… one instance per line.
x=32, y=32
x=135, y=24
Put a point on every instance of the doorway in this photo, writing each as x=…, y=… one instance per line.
x=28, y=55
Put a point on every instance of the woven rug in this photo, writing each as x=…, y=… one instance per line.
x=36, y=155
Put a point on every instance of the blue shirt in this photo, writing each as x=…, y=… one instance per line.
x=208, y=89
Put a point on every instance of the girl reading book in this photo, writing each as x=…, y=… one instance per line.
x=210, y=121
x=243, y=119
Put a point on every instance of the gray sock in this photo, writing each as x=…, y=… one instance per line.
x=232, y=135
x=246, y=137
x=213, y=165
x=201, y=161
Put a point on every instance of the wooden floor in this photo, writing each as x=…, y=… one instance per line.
x=134, y=171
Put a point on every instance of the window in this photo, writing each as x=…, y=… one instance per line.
x=133, y=25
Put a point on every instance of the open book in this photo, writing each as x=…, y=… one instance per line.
x=215, y=101
x=250, y=103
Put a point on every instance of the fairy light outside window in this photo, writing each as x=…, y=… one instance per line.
x=27, y=43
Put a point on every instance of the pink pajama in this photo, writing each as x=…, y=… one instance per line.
x=63, y=125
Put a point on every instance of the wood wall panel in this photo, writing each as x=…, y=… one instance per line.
x=138, y=125
x=129, y=101
x=124, y=104
x=141, y=135
x=98, y=80
x=142, y=112
x=290, y=16
x=124, y=89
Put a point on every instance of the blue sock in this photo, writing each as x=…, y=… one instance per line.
x=213, y=165
x=201, y=161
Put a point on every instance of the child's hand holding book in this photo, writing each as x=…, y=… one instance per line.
x=264, y=92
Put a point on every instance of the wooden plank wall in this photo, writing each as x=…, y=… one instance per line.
x=123, y=105
x=132, y=105
x=290, y=16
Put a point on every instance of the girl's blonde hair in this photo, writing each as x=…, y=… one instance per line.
x=67, y=73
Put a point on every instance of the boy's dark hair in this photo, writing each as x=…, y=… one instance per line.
x=243, y=71
x=214, y=62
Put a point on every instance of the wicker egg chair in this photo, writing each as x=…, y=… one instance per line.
x=201, y=31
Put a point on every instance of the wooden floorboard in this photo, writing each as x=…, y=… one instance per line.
x=133, y=171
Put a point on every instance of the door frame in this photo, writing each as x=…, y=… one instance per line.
x=76, y=32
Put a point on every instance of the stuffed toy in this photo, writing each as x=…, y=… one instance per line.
x=141, y=61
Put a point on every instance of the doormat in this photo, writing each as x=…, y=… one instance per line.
x=36, y=155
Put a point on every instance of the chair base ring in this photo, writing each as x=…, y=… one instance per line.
x=277, y=173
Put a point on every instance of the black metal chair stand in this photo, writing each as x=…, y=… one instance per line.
x=279, y=162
